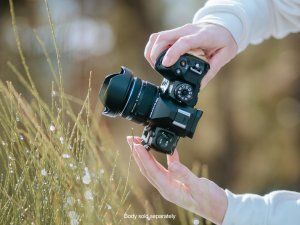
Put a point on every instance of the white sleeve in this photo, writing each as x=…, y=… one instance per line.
x=276, y=208
x=252, y=21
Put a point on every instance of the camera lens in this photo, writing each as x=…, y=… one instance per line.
x=128, y=96
x=140, y=101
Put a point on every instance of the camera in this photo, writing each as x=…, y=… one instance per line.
x=167, y=111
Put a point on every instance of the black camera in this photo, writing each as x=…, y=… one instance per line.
x=167, y=111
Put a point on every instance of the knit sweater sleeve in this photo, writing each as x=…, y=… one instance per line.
x=252, y=21
x=276, y=208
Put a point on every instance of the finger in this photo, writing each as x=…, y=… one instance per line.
x=165, y=39
x=201, y=53
x=149, y=161
x=158, y=48
x=149, y=46
x=185, y=44
x=153, y=169
x=137, y=143
x=155, y=173
x=137, y=139
x=160, y=177
x=217, y=61
x=130, y=142
x=142, y=169
x=183, y=174
x=133, y=139
x=173, y=158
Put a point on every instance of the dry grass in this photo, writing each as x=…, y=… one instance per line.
x=59, y=166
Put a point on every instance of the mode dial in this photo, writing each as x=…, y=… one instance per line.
x=184, y=92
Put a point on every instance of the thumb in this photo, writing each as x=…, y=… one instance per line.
x=182, y=174
x=217, y=61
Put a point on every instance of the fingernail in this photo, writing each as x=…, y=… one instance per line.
x=166, y=60
x=174, y=166
x=135, y=139
x=129, y=140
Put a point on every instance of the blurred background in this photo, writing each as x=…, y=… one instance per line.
x=249, y=135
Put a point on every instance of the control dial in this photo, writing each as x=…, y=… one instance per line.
x=184, y=92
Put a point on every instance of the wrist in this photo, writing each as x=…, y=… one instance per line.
x=228, y=21
x=231, y=18
x=214, y=201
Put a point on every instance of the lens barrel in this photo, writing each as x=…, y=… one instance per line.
x=124, y=95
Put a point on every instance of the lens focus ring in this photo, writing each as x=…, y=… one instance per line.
x=140, y=101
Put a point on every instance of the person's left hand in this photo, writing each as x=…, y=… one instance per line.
x=179, y=185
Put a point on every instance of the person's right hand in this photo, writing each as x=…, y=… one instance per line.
x=213, y=41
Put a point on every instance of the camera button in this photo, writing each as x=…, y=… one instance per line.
x=197, y=70
x=178, y=71
x=183, y=63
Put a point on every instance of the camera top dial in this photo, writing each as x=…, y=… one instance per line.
x=184, y=78
x=184, y=92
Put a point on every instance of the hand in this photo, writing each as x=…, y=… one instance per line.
x=179, y=185
x=213, y=41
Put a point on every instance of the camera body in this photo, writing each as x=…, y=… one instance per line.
x=167, y=111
